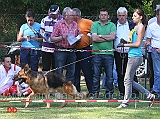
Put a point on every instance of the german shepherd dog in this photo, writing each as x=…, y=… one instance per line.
x=47, y=82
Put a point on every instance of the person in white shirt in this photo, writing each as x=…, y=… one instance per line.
x=153, y=39
x=7, y=73
x=150, y=61
x=124, y=27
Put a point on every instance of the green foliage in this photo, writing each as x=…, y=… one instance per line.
x=9, y=25
x=147, y=7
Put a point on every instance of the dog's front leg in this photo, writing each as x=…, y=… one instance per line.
x=78, y=96
x=47, y=97
x=28, y=98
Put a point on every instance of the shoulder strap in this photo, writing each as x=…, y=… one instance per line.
x=14, y=67
x=35, y=31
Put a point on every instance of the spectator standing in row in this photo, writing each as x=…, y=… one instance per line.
x=150, y=61
x=103, y=34
x=29, y=36
x=124, y=26
x=153, y=39
x=115, y=78
x=59, y=35
x=135, y=58
x=47, y=26
x=84, y=44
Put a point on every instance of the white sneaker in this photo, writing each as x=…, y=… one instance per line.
x=151, y=97
x=123, y=105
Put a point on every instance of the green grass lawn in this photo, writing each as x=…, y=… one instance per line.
x=87, y=111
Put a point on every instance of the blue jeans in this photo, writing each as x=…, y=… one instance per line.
x=86, y=67
x=115, y=77
x=65, y=58
x=106, y=61
x=31, y=57
x=156, y=68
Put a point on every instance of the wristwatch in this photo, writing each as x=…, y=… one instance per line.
x=100, y=36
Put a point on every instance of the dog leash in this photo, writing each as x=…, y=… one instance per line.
x=122, y=55
x=70, y=63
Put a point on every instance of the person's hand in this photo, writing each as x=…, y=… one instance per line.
x=120, y=45
x=47, y=36
x=64, y=36
x=2, y=46
x=123, y=41
x=158, y=50
x=146, y=43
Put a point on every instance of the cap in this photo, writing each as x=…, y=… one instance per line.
x=157, y=7
x=53, y=9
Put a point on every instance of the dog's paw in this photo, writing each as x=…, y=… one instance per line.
x=79, y=104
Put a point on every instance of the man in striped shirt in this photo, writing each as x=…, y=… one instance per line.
x=47, y=26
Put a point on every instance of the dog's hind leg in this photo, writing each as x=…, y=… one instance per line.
x=63, y=104
x=79, y=104
x=59, y=96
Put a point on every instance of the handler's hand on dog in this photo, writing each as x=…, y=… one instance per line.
x=120, y=45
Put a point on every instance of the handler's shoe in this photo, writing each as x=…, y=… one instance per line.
x=123, y=105
x=151, y=97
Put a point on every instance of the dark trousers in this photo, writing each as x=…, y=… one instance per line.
x=151, y=72
x=48, y=61
x=30, y=57
x=121, y=71
x=86, y=67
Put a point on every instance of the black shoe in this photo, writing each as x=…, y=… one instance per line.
x=109, y=95
x=121, y=97
x=153, y=92
x=94, y=95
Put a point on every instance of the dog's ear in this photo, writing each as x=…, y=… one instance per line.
x=69, y=83
x=23, y=66
x=26, y=67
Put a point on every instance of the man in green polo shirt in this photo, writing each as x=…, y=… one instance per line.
x=103, y=34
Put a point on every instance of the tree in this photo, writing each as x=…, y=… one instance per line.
x=12, y=11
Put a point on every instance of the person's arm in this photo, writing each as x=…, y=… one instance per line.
x=140, y=32
x=55, y=37
x=97, y=38
x=103, y=38
x=20, y=36
x=58, y=38
x=37, y=39
x=109, y=37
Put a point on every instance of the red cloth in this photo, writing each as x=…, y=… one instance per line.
x=11, y=91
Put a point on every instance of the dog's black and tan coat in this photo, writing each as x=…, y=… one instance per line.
x=47, y=82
